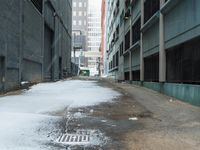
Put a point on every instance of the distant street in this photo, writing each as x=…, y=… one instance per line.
x=96, y=115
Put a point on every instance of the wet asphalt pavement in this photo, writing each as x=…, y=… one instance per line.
x=131, y=122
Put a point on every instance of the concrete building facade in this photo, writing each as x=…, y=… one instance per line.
x=103, y=13
x=94, y=34
x=155, y=43
x=79, y=30
x=35, y=41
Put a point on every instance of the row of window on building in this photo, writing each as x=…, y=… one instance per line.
x=95, y=34
x=79, y=4
x=115, y=61
x=79, y=13
x=93, y=44
x=79, y=22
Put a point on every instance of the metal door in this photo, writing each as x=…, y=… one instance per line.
x=2, y=73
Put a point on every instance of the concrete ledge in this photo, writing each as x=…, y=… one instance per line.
x=126, y=52
x=137, y=83
x=186, y=92
x=114, y=69
x=135, y=46
x=126, y=69
x=156, y=86
x=151, y=51
x=150, y=22
x=169, y=5
x=136, y=67
x=183, y=37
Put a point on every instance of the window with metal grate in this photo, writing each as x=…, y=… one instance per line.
x=150, y=8
x=136, y=31
x=136, y=75
x=127, y=41
x=151, y=69
x=126, y=76
x=183, y=63
x=121, y=48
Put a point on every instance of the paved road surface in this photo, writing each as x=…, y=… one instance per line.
x=140, y=119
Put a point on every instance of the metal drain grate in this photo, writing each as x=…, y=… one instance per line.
x=83, y=132
x=74, y=139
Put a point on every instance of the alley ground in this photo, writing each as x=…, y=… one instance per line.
x=113, y=116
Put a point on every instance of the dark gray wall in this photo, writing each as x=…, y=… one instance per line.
x=33, y=28
x=10, y=41
x=22, y=41
x=62, y=28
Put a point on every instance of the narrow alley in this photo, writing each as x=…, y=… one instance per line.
x=99, y=75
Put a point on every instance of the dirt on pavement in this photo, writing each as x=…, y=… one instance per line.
x=140, y=119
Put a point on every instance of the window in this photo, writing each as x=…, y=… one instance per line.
x=126, y=76
x=80, y=22
x=38, y=4
x=136, y=75
x=117, y=33
x=117, y=59
x=121, y=48
x=127, y=3
x=74, y=22
x=136, y=31
x=151, y=68
x=80, y=4
x=85, y=13
x=127, y=41
x=150, y=8
x=85, y=4
x=80, y=13
x=183, y=63
x=114, y=61
x=74, y=13
x=74, y=4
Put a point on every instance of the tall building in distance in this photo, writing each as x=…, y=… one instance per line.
x=94, y=36
x=79, y=30
x=86, y=31
x=103, y=13
x=94, y=25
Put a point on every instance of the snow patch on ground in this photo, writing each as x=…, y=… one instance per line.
x=25, y=123
x=48, y=97
x=20, y=131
